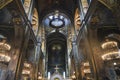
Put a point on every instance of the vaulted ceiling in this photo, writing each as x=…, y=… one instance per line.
x=46, y=6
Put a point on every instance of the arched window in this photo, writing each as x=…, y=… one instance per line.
x=85, y=5
x=26, y=4
x=77, y=20
x=35, y=21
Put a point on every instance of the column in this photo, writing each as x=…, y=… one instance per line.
x=37, y=57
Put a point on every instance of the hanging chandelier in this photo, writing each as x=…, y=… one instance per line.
x=111, y=55
x=111, y=50
x=27, y=69
x=4, y=52
x=109, y=44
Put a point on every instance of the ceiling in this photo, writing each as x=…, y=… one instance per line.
x=47, y=6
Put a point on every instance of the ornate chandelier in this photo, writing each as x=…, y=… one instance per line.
x=27, y=69
x=4, y=51
x=111, y=50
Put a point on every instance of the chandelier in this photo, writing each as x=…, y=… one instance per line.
x=109, y=44
x=4, y=51
x=111, y=55
x=111, y=50
x=27, y=69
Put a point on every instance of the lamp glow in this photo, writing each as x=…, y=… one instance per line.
x=108, y=55
x=110, y=43
x=40, y=77
x=25, y=72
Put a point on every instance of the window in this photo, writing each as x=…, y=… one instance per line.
x=35, y=21
x=85, y=5
x=26, y=4
x=77, y=20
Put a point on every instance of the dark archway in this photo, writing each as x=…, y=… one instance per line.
x=56, y=50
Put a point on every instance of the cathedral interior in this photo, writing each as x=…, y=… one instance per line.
x=59, y=39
